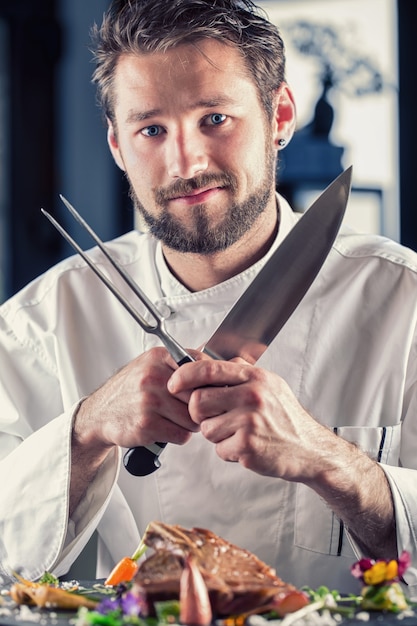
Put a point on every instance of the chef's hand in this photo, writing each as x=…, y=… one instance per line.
x=133, y=408
x=252, y=417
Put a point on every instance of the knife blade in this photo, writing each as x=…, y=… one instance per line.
x=272, y=297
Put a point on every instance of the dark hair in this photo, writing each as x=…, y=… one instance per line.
x=145, y=26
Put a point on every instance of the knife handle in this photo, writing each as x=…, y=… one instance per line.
x=144, y=460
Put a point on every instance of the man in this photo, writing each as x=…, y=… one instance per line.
x=307, y=458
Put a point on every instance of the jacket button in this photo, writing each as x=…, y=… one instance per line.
x=164, y=310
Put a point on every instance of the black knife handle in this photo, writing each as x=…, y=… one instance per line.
x=142, y=461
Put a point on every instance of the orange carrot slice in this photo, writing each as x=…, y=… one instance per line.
x=127, y=567
x=123, y=572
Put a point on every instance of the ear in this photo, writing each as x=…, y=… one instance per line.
x=114, y=145
x=284, y=121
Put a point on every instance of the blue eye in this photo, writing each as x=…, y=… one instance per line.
x=151, y=131
x=216, y=118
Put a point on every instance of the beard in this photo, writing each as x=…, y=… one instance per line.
x=204, y=238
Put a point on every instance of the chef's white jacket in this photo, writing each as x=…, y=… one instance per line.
x=348, y=352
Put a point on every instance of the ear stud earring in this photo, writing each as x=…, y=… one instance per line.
x=282, y=142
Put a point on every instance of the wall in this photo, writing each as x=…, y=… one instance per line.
x=366, y=126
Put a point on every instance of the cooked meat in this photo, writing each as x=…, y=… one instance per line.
x=237, y=581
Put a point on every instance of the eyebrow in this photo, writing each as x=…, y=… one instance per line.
x=134, y=116
x=140, y=116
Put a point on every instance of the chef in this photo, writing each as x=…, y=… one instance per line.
x=306, y=458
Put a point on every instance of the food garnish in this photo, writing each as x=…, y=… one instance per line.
x=47, y=593
x=48, y=579
x=381, y=591
x=195, y=607
x=125, y=570
x=46, y=596
x=381, y=583
x=178, y=585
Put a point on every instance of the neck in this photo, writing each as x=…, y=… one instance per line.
x=198, y=271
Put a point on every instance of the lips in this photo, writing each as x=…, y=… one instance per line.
x=196, y=196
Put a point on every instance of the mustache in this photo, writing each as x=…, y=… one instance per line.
x=183, y=187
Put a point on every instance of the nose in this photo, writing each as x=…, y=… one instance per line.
x=186, y=154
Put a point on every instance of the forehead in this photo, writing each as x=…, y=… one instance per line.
x=183, y=74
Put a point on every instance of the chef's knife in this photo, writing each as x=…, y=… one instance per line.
x=269, y=301
x=263, y=309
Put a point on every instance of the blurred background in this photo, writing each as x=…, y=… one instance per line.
x=350, y=62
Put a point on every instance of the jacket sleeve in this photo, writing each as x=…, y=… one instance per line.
x=402, y=475
x=35, y=446
x=401, y=469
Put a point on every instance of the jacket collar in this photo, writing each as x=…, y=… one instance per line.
x=172, y=287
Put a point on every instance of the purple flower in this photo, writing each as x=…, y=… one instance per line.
x=108, y=605
x=131, y=604
x=126, y=604
x=404, y=562
x=360, y=567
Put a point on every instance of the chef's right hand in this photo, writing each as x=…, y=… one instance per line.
x=134, y=408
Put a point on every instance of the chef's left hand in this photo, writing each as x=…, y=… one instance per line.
x=252, y=417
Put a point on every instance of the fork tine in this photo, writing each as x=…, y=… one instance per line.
x=135, y=461
x=179, y=354
x=141, y=321
x=126, y=277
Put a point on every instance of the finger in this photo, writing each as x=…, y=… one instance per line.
x=247, y=391
x=156, y=410
x=209, y=402
x=198, y=354
x=167, y=359
x=207, y=372
x=165, y=430
x=148, y=417
x=167, y=415
x=184, y=396
x=238, y=440
x=241, y=360
x=231, y=442
x=219, y=428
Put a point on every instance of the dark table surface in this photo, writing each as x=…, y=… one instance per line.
x=10, y=615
